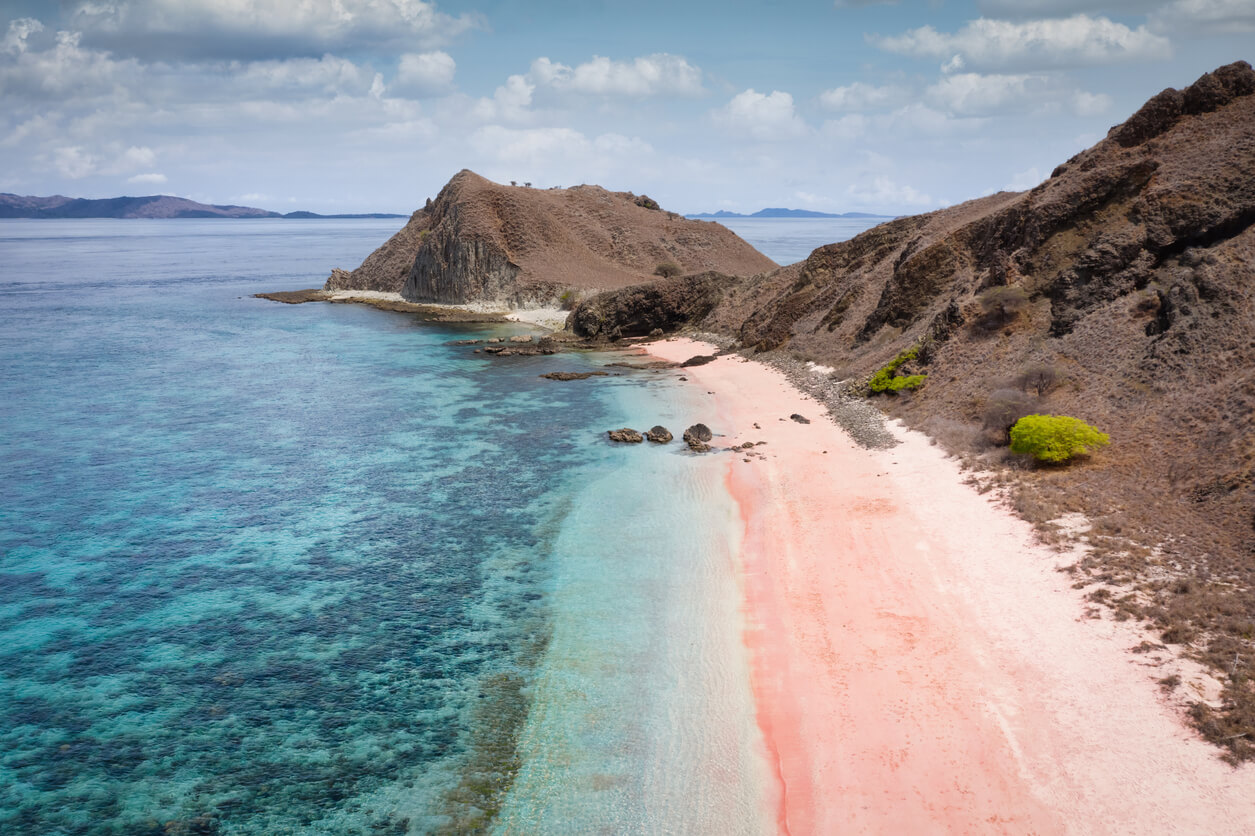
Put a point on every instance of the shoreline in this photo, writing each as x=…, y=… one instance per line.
x=545, y=319
x=919, y=664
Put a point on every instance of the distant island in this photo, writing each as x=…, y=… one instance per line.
x=152, y=206
x=785, y=213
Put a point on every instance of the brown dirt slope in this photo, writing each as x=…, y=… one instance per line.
x=387, y=268
x=1129, y=274
x=518, y=245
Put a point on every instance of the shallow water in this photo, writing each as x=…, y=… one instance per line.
x=308, y=569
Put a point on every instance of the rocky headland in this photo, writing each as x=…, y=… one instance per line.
x=516, y=246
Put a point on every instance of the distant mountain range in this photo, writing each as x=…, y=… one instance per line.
x=785, y=213
x=152, y=206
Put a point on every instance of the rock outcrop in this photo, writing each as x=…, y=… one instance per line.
x=652, y=309
x=626, y=435
x=479, y=241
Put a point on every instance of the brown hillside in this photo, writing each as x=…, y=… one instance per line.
x=481, y=241
x=1129, y=274
x=387, y=268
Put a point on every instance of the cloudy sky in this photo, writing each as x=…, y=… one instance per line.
x=371, y=105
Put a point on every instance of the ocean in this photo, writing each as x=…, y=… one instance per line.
x=272, y=569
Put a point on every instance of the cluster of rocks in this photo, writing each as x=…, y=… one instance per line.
x=696, y=436
x=573, y=375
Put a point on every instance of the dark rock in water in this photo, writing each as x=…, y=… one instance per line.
x=464, y=342
x=659, y=435
x=800, y=419
x=699, y=360
x=697, y=436
x=573, y=375
x=626, y=435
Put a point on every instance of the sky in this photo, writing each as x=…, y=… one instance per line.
x=372, y=105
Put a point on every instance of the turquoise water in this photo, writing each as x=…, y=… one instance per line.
x=271, y=569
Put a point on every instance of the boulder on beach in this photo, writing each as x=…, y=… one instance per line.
x=625, y=435
x=697, y=437
x=659, y=435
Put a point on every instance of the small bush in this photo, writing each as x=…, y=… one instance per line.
x=568, y=300
x=668, y=269
x=1038, y=378
x=888, y=380
x=1002, y=410
x=1055, y=438
x=1000, y=305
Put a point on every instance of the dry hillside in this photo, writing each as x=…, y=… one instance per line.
x=1120, y=291
x=481, y=241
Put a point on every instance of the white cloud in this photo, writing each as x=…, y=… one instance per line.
x=1090, y=104
x=1024, y=180
x=60, y=70
x=148, y=179
x=326, y=75
x=1205, y=16
x=860, y=96
x=256, y=27
x=510, y=102
x=133, y=158
x=530, y=146
x=986, y=44
x=622, y=146
x=73, y=162
x=769, y=116
x=967, y=94
x=14, y=41
x=424, y=73
x=650, y=75
x=882, y=192
x=1061, y=8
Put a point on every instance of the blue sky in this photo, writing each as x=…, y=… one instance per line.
x=371, y=105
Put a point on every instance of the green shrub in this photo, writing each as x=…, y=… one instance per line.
x=667, y=269
x=1055, y=438
x=888, y=380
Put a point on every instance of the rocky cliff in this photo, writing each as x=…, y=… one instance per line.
x=481, y=241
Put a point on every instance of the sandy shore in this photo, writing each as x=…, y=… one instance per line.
x=548, y=319
x=919, y=664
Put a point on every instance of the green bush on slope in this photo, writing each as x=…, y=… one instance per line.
x=887, y=379
x=1055, y=438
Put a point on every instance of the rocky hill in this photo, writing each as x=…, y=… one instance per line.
x=481, y=241
x=1120, y=291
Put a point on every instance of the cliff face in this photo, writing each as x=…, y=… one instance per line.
x=481, y=241
x=387, y=268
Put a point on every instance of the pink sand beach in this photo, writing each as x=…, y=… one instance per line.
x=919, y=664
